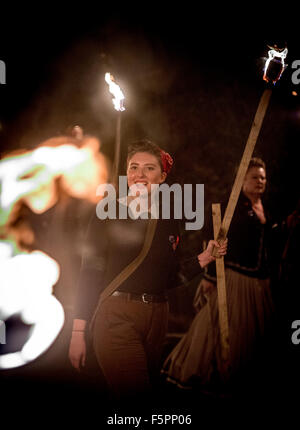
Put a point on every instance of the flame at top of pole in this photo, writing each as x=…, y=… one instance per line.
x=115, y=90
x=276, y=59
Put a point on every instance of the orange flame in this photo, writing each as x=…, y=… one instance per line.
x=31, y=177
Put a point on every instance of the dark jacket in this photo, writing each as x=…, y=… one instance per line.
x=112, y=244
x=248, y=243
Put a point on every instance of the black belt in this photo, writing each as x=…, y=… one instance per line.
x=146, y=298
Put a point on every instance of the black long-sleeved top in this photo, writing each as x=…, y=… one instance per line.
x=112, y=244
x=248, y=243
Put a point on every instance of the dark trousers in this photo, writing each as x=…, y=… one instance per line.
x=128, y=341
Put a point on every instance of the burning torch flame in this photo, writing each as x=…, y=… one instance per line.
x=116, y=91
x=277, y=56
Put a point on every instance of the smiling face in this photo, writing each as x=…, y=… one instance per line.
x=144, y=168
x=255, y=181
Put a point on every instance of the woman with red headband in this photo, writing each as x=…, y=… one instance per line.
x=130, y=264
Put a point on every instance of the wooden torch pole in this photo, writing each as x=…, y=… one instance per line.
x=243, y=167
x=117, y=151
x=221, y=229
x=222, y=299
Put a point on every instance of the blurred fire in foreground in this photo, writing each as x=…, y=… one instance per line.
x=37, y=179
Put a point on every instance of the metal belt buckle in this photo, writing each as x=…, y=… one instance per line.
x=144, y=299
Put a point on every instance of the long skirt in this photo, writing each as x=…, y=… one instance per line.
x=197, y=356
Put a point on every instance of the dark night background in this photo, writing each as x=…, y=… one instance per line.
x=192, y=80
x=192, y=83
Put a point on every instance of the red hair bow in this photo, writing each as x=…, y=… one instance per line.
x=167, y=161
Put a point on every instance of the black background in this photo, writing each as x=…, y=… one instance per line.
x=192, y=79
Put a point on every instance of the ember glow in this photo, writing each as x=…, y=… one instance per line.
x=274, y=65
x=115, y=90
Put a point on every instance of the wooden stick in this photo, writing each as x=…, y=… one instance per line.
x=222, y=299
x=117, y=151
x=243, y=167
